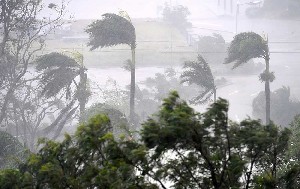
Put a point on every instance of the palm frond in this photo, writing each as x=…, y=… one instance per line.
x=58, y=72
x=199, y=73
x=54, y=60
x=110, y=31
x=244, y=47
x=203, y=97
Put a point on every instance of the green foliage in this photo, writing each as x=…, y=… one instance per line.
x=14, y=179
x=200, y=145
x=291, y=179
x=179, y=146
x=92, y=158
x=199, y=73
x=294, y=152
x=12, y=152
x=118, y=119
x=291, y=173
x=193, y=150
x=246, y=46
x=110, y=31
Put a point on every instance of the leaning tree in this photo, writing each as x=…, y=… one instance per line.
x=244, y=47
x=59, y=75
x=24, y=27
x=199, y=73
x=114, y=30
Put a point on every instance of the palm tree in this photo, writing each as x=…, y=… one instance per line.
x=114, y=30
x=246, y=46
x=199, y=73
x=58, y=74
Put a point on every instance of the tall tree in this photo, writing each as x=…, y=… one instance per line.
x=58, y=78
x=59, y=72
x=23, y=32
x=244, y=47
x=209, y=151
x=199, y=73
x=114, y=30
x=202, y=144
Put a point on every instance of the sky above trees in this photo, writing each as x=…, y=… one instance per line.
x=93, y=9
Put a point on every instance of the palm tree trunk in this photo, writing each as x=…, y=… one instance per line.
x=132, y=88
x=215, y=95
x=82, y=88
x=267, y=92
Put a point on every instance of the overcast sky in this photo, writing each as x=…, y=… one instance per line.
x=86, y=9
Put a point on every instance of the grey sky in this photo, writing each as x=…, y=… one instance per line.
x=82, y=9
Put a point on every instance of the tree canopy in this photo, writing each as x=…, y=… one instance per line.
x=12, y=151
x=110, y=31
x=58, y=72
x=178, y=148
x=245, y=46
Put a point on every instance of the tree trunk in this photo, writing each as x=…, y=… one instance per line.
x=82, y=94
x=215, y=95
x=132, y=88
x=267, y=92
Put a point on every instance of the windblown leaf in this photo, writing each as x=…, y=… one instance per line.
x=110, y=31
x=199, y=73
x=246, y=46
x=58, y=73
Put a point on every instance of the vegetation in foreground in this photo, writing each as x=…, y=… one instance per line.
x=177, y=145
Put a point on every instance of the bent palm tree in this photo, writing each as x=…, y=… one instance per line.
x=199, y=73
x=58, y=73
x=243, y=48
x=114, y=30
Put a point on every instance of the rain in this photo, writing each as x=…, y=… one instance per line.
x=149, y=94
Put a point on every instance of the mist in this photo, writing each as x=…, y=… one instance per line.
x=149, y=94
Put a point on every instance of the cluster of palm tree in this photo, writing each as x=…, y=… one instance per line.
x=59, y=70
x=114, y=29
x=244, y=47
